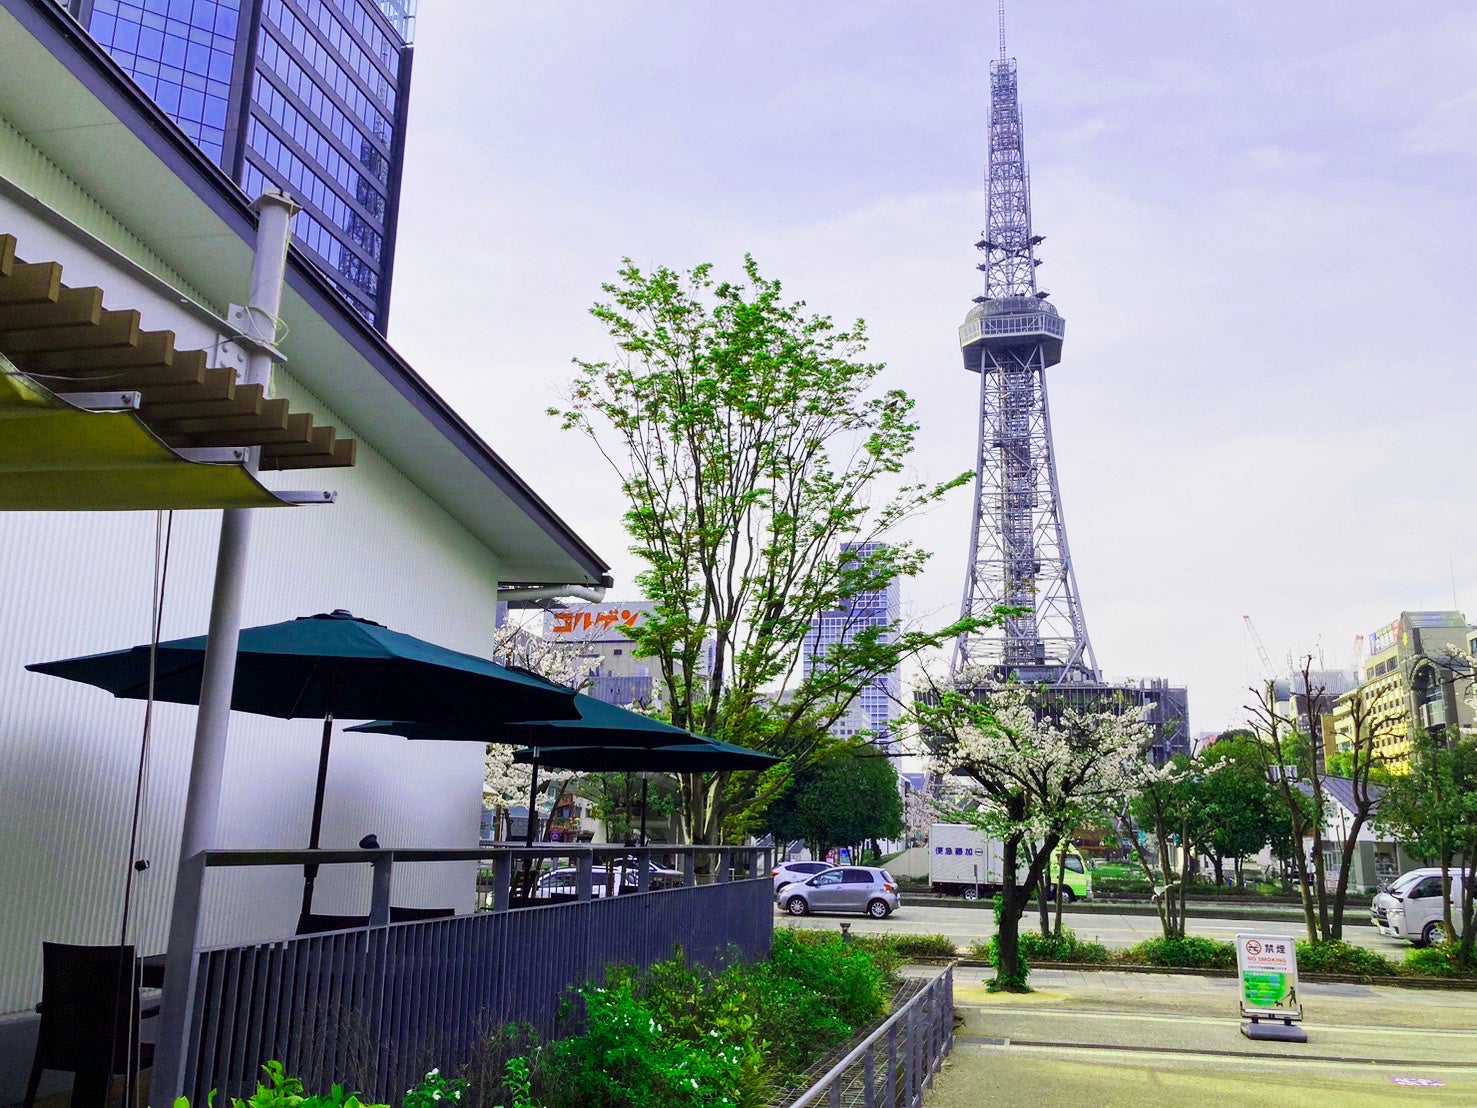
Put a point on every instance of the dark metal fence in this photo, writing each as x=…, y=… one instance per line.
x=377, y=1006
x=892, y=1066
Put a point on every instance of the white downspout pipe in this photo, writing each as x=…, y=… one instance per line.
x=202, y=802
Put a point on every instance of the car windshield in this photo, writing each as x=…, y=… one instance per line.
x=1404, y=883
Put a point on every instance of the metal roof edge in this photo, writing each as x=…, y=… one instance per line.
x=91, y=65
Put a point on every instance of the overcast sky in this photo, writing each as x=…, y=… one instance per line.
x=1258, y=221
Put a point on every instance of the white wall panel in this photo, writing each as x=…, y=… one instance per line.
x=79, y=583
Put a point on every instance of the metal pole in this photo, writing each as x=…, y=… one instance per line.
x=202, y=800
x=532, y=795
x=315, y=829
x=643, y=810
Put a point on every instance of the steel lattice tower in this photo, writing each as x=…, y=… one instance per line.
x=1018, y=540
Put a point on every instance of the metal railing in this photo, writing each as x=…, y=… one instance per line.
x=908, y=1048
x=374, y=1007
x=1027, y=324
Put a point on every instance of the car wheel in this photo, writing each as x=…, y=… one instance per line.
x=796, y=906
x=878, y=909
x=1434, y=933
x=1068, y=896
x=971, y=893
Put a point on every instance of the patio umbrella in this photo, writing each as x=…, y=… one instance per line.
x=705, y=756
x=330, y=666
x=599, y=724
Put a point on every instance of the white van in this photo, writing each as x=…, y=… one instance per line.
x=1411, y=908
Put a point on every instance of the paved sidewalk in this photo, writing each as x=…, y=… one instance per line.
x=1086, y=1039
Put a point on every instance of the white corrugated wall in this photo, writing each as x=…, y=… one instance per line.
x=79, y=583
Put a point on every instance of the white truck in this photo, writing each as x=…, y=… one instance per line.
x=963, y=862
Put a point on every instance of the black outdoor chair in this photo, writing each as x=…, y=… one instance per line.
x=315, y=923
x=412, y=915
x=89, y=1020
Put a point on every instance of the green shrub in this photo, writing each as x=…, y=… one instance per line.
x=283, y=1091
x=626, y=1058
x=925, y=946
x=1191, y=952
x=684, y=1036
x=1337, y=956
x=1036, y=947
x=1437, y=960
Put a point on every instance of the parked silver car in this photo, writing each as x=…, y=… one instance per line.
x=863, y=889
x=787, y=873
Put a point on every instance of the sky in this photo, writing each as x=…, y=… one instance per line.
x=1259, y=228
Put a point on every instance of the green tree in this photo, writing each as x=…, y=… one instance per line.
x=750, y=447
x=844, y=798
x=1434, y=808
x=1163, y=803
x=1235, y=811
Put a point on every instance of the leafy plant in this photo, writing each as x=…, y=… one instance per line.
x=1437, y=960
x=1337, y=956
x=434, y=1088
x=281, y=1090
x=1190, y=952
x=925, y=946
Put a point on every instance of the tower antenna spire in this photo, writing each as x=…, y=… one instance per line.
x=1018, y=555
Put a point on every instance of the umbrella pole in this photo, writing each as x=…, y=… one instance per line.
x=642, y=841
x=532, y=795
x=310, y=871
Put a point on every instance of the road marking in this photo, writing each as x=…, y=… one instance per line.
x=1166, y=1017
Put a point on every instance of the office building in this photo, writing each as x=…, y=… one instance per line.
x=1416, y=679
x=880, y=698
x=308, y=96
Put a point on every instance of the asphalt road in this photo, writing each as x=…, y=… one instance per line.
x=966, y=925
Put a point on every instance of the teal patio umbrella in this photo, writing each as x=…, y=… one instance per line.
x=329, y=666
x=599, y=724
x=704, y=756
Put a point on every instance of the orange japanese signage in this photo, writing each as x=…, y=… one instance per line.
x=594, y=621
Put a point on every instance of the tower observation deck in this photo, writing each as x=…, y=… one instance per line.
x=1018, y=554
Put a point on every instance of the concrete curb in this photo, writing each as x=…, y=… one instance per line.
x=1439, y=983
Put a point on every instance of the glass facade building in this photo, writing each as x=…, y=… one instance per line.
x=880, y=699
x=307, y=96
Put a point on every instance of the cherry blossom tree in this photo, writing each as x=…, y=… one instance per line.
x=505, y=783
x=1029, y=763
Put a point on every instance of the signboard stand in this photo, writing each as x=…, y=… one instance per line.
x=1267, y=976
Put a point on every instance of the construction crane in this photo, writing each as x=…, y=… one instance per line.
x=1261, y=650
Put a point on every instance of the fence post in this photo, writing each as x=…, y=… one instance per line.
x=869, y=1094
x=502, y=881
x=584, y=869
x=379, y=891
x=892, y=1066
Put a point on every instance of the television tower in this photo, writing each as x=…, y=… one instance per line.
x=1018, y=553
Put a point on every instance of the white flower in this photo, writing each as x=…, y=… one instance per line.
x=434, y=1072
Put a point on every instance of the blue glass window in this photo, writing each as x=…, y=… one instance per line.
x=172, y=49
x=374, y=156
